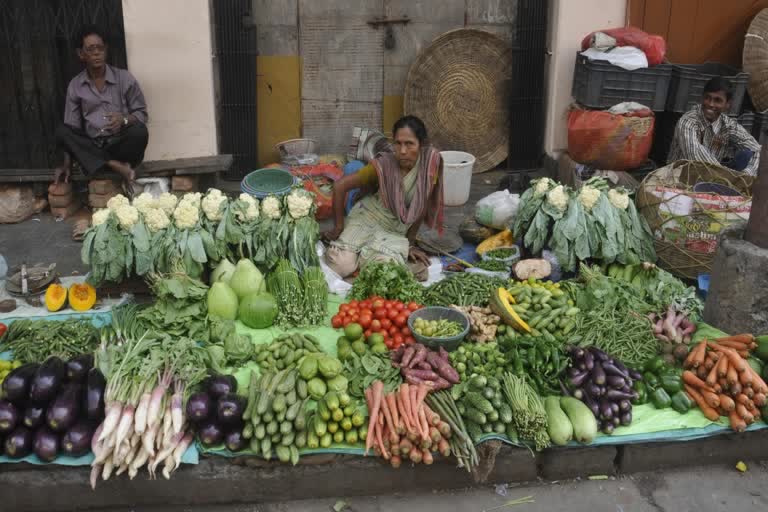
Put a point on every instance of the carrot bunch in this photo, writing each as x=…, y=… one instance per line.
x=719, y=380
x=402, y=426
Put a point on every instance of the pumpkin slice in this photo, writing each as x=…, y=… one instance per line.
x=501, y=304
x=55, y=297
x=82, y=296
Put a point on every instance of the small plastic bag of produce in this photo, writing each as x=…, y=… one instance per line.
x=508, y=255
x=497, y=210
x=489, y=273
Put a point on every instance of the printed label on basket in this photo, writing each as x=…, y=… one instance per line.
x=694, y=220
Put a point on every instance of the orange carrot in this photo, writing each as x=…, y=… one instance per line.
x=744, y=413
x=727, y=403
x=701, y=372
x=732, y=344
x=432, y=417
x=722, y=367
x=735, y=389
x=741, y=398
x=692, y=380
x=737, y=423
x=745, y=378
x=709, y=362
x=377, y=390
x=389, y=421
x=717, y=388
x=759, y=399
x=693, y=355
x=712, y=376
x=735, y=359
x=709, y=412
x=424, y=424
x=732, y=375
x=743, y=339
x=757, y=382
x=421, y=395
x=711, y=397
x=403, y=398
x=390, y=399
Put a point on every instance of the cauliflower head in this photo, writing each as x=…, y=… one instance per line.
x=248, y=208
x=618, y=198
x=144, y=201
x=299, y=203
x=117, y=201
x=186, y=215
x=192, y=198
x=213, y=204
x=127, y=216
x=100, y=216
x=542, y=186
x=270, y=207
x=558, y=198
x=156, y=219
x=167, y=202
x=588, y=197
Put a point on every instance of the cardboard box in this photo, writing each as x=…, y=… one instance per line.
x=99, y=200
x=60, y=201
x=184, y=183
x=103, y=187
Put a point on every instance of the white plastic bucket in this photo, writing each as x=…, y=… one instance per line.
x=457, y=171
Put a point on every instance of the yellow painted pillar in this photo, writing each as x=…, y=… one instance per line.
x=279, y=103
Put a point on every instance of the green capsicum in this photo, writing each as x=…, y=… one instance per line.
x=655, y=365
x=671, y=383
x=651, y=380
x=660, y=398
x=642, y=392
x=680, y=402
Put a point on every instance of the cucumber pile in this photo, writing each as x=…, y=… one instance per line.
x=337, y=419
x=483, y=407
x=544, y=307
x=285, y=351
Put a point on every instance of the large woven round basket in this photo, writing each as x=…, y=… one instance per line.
x=755, y=60
x=687, y=204
x=459, y=87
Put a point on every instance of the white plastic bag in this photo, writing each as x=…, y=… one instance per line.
x=497, y=210
x=625, y=57
x=154, y=186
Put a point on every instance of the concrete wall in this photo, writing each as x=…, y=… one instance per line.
x=169, y=52
x=570, y=21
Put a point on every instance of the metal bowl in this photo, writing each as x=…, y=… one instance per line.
x=440, y=313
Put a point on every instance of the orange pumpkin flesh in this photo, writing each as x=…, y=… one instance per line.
x=82, y=296
x=55, y=297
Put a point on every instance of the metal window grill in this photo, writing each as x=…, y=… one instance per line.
x=527, y=88
x=38, y=59
x=236, y=60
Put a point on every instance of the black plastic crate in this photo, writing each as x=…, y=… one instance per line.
x=686, y=88
x=599, y=84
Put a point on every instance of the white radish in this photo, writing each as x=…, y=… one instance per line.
x=177, y=415
x=168, y=468
x=134, y=450
x=139, y=460
x=122, y=469
x=140, y=423
x=156, y=399
x=167, y=450
x=106, y=471
x=95, y=472
x=97, y=445
x=114, y=410
x=178, y=452
x=126, y=421
x=167, y=423
x=148, y=439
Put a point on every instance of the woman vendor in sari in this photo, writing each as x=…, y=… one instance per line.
x=401, y=190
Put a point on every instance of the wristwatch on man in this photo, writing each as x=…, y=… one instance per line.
x=125, y=120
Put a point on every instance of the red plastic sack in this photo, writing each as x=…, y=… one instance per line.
x=609, y=141
x=654, y=46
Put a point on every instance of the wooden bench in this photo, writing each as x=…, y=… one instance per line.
x=151, y=169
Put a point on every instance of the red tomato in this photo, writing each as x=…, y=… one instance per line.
x=392, y=314
x=347, y=321
x=353, y=311
x=377, y=303
x=386, y=323
x=410, y=340
x=365, y=303
x=413, y=306
x=400, y=320
x=398, y=338
x=376, y=325
x=389, y=344
x=393, y=329
x=365, y=321
x=353, y=303
x=406, y=313
x=399, y=306
x=336, y=321
x=388, y=303
x=365, y=311
x=405, y=331
x=368, y=332
x=380, y=313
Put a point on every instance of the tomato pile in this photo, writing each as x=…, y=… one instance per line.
x=378, y=315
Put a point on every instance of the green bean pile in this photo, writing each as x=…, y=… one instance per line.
x=623, y=335
x=501, y=253
x=465, y=289
x=492, y=265
x=32, y=341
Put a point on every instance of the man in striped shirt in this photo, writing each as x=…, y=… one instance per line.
x=707, y=134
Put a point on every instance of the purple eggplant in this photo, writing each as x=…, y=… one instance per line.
x=599, y=354
x=606, y=411
x=608, y=428
x=612, y=369
x=34, y=416
x=95, y=387
x=235, y=441
x=62, y=412
x=210, y=433
x=577, y=353
x=589, y=360
x=626, y=418
x=78, y=367
x=598, y=375
x=578, y=393
x=615, y=408
x=636, y=375
x=625, y=405
x=616, y=395
x=573, y=372
x=77, y=440
x=46, y=444
x=220, y=385
x=18, y=443
x=199, y=407
x=591, y=403
x=17, y=383
x=594, y=390
x=564, y=390
x=47, y=380
x=579, y=379
x=615, y=381
x=229, y=409
x=9, y=417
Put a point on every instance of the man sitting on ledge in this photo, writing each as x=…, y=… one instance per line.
x=706, y=134
x=105, y=115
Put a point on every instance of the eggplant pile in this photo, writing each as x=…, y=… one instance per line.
x=604, y=384
x=217, y=413
x=51, y=408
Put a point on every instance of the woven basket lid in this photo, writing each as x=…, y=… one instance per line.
x=459, y=86
x=755, y=60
